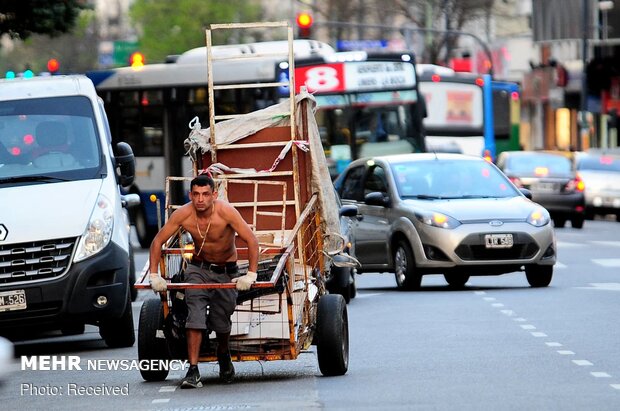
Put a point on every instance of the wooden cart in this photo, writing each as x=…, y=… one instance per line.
x=266, y=164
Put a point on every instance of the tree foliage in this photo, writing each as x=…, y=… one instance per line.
x=172, y=27
x=22, y=18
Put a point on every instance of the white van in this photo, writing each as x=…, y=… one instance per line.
x=65, y=255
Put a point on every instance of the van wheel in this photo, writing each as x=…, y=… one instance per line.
x=332, y=325
x=151, y=340
x=119, y=332
x=539, y=275
x=132, y=274
x=404, y=268
x=559, y=222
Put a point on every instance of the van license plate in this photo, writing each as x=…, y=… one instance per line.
x=498, y=240
x=12, y=300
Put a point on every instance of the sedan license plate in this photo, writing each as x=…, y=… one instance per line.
x=544, y=187
x=498, y=240
x=12, y=300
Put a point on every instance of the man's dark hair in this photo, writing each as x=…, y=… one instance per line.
x=202, y=180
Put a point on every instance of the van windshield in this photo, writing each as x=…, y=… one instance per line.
x=54, y=138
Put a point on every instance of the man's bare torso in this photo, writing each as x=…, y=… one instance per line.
x=214, y=238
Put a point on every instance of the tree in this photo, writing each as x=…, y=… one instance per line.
x=172, y=27
x=74, y=50
x=22, y=18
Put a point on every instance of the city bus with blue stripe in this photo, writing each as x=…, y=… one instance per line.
x=506, y=114
x=459, y=111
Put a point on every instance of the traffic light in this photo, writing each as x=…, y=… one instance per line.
x=53, y=65
x=304, y=25
x=136, y=60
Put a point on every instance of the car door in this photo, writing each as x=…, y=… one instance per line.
x=371, y=231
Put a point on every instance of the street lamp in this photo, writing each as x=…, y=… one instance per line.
x=604, y=7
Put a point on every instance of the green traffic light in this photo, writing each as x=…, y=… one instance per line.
x=28, y=74
x=10, y=74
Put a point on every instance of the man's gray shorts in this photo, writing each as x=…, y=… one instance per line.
x=220, y=301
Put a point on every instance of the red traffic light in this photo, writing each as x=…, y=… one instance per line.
x=136, y=59
x=304, y=20
x=53, y=65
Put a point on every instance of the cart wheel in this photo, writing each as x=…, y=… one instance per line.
x=333, y=335
x=151, y=340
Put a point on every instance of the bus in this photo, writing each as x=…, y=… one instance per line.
x=368, y=103
x=459, y=111
x=506, y=114
x=151, y=107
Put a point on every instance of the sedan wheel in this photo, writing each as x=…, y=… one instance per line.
x=456, y=280
x=404, y=268
x=539, y=275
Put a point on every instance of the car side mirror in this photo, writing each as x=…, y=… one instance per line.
x=126, y=164
x=527, y=193
x=377, y=199
x=348, y=210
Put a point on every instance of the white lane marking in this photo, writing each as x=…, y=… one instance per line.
x=368, y=295
x=489, y=298
x=528, y=327
x=565, y=352
x=168, y=388
x=609, y=243
x=615, y=386
x=582, y=362
x=602, y=286
x=566, y=244
x=607, y=262
x=480, y=292
x=509, y=313
x=160, y=401
x=559, y=265
x=520, y=319
x=539, y=334
x=600, y=374
x=553, y=344
x=497, y=305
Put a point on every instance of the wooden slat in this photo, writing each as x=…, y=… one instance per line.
x=249, y=85
x=248, y=25
x=252, y=145
x=269, y=213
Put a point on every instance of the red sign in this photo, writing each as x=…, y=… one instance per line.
x=324, y=78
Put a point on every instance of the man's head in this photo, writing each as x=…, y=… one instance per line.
x=202, y=192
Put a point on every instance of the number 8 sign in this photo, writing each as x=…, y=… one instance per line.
x=324, y=78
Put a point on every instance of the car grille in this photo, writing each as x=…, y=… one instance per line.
x=473, y=248
x=35, y=260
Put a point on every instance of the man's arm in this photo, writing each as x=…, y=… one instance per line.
x=171, y=226
x=245, y=233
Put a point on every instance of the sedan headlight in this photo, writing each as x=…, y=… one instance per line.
x=98, y=231
x=436, y=219
x=539, y=217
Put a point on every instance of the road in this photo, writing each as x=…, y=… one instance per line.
x=497, y=344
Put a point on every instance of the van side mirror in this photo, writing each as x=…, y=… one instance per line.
x=125, y=163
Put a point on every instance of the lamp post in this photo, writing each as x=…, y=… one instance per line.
x=583, y=120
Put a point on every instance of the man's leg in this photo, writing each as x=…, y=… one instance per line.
x=192, y=378
x=227, y=370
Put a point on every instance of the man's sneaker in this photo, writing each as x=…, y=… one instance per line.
x=192, y=378
x=227, y=370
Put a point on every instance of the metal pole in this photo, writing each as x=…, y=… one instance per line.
x=583, y=121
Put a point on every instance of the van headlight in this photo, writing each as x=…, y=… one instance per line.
x=98, y=231
x=539, y=217
x=436, y=219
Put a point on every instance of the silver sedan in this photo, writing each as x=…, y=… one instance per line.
x=447, y=214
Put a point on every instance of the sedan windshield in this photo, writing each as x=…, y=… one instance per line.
x=599, y=163
x=449, y=179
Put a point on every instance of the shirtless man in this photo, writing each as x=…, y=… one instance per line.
x=212, y=224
